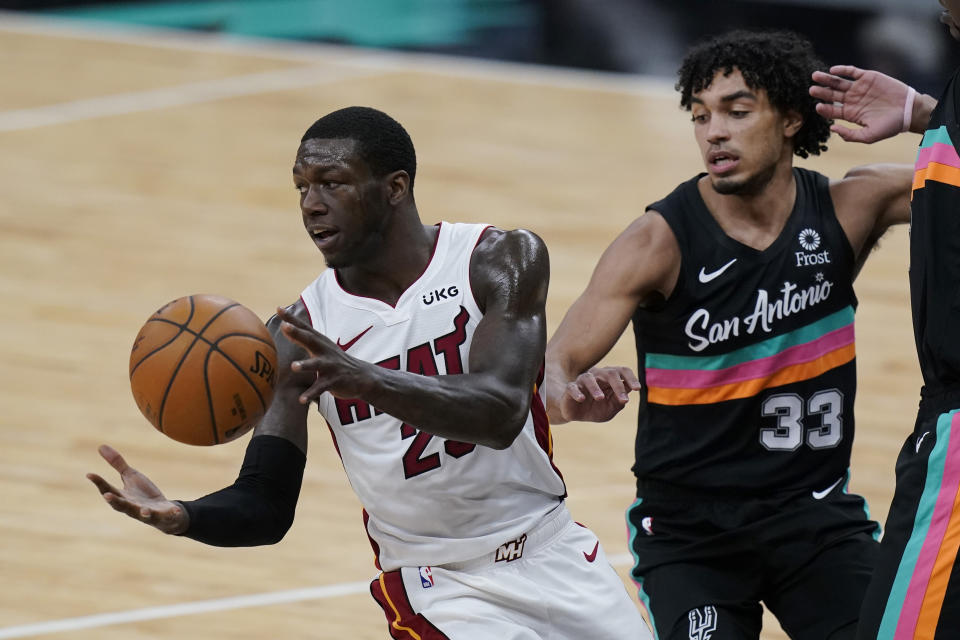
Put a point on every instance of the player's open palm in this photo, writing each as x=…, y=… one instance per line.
x=870, y=99
x=139, y=498
x=598, y=394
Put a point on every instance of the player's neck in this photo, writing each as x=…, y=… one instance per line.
x=756, y=218
x=400, y=260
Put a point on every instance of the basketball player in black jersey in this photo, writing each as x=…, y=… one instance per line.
x=915, y=590
x=739, y=286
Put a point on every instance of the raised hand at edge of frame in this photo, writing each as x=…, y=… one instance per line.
x=870, y=99
x=140, y=498
x=598, y=394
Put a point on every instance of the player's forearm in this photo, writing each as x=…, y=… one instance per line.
x=555, y=380
x=923, y=106
x=475, y=408
x=258, y=508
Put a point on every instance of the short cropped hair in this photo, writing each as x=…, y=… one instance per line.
x=779, y=62
x=382, y=142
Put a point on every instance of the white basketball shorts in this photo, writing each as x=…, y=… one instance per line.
x=553, y=582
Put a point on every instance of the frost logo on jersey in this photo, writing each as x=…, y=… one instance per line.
x=647, y=525
x=703, y=622
x=426, y=577
x=510, y=551
x=810, y=241
x=443, y=293
x=703, y=332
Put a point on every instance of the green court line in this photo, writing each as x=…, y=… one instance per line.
x=375, y=23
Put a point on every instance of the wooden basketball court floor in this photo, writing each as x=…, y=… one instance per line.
x=139, y=166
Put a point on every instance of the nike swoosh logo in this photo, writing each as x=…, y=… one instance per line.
x=707, y=277
x=820, y=495
x=347, y=345
x=593, y=554
x=920, y=441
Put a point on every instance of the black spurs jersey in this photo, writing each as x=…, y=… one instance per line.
x=749, y=366
x=935, y=246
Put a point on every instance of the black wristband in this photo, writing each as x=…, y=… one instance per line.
x=258, y=508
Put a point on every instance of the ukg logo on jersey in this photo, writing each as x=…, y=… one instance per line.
x=810, y=241
x=443, y=294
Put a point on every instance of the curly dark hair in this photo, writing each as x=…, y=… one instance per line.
x=779, y=62
x=382, y=142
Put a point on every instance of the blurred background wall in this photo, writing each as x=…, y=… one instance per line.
x=900, y=37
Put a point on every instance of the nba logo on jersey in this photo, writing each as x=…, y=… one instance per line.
x=647, y=524
x=426, y=577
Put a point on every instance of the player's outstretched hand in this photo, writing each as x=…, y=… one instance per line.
x=140, y=498
x=870, y=99
x=335, y=371
x=598, y=394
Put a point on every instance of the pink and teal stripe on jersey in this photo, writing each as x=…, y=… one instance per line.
x=800, y=354
x=920, y=586
x=937, y=160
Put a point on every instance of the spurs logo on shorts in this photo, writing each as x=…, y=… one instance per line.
x=703, y=622
x=512, y=550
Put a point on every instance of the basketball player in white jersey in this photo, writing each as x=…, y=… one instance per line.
x=422, y=346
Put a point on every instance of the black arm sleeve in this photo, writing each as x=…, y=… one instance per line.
x=258, y=507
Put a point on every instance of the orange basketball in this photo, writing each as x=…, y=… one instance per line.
x=203, y=369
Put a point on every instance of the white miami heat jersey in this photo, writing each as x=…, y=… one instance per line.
x=428, y=500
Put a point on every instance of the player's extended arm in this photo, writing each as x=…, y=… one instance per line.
x=509, y=273
x=641, y=261
x=258, y=507
x=882, y=106
x=868, y=201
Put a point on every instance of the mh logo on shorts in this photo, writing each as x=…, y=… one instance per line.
x=510, y=551
x=703, y=622
x=426, y=577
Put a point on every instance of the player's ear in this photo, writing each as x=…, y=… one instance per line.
x=792, y=122
x=398, y=185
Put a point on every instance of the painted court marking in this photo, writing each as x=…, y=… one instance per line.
x=175, y=96
x=355, y=57
x=207, y=606
x=339, y=63
x=185, y=609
